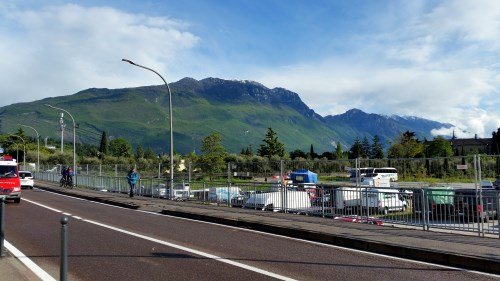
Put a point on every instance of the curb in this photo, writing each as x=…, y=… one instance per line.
x=91, y=198
x=419, y=254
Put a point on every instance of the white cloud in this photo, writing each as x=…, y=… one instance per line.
x=437, y=65
x=60, y=50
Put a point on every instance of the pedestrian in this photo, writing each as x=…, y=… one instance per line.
x=69, y=176
x=132, y=178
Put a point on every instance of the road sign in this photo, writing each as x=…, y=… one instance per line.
x=461, y=167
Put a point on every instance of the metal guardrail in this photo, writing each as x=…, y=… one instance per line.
x=458, y=208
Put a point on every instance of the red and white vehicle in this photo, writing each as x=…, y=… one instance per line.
x=10, y=184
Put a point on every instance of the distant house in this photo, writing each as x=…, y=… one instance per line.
x=472, y=145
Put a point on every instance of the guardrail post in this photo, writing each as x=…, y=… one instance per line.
x=422, y=208
x=2, y=224
x=64, y=250
x=498, y=213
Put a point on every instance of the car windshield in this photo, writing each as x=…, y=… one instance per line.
x=8, y=172
x=25, y=174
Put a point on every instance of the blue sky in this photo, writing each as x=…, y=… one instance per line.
x=431, y=59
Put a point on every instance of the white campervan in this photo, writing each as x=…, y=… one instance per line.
x=382, y=200
x=284, y=200
x=346, y=198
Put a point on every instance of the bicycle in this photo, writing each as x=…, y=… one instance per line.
x=66, y=183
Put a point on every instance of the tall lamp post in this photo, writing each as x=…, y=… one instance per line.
x=171, y=181
x=24, y=150
x=37, y=146
x=74, y=137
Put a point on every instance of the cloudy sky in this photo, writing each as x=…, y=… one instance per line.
x=432, y=59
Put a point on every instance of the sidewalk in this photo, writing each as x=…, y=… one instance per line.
x=464, y=251
x=12, y=268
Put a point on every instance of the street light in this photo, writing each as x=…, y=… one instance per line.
x=170, y=116
x=24, y=150
x=74, y=137
x=38, y=146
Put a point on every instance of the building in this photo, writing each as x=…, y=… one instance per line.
x=471, y=145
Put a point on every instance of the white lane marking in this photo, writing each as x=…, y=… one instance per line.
x=47, y=207
x=186, y=249
x=38, y=271
x=296, y=239
x=193, y=251
x=67, y=214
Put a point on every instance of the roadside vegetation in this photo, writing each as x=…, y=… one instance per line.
x=431, y=161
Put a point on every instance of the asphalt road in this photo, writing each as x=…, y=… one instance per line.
x=111, y=243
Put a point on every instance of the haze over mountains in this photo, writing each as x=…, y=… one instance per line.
x=241, y=111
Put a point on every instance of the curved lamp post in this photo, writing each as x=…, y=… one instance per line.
x=171, y=181
x=24, y=150
x=37, y=146
x=74, y=137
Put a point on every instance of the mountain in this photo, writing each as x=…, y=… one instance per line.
x=241, y=111
x=356, y=123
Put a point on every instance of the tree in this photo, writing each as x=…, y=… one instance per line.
x=338, y=151
x=103, y=147
x=213, y=154
x=495, y=142
x=356, y=150
x=139, y=152
x=271, y=145
x=120, y=148
x=297, y=153
x=149, y=153
x=377, y=152
x=312, y=154
x=406, y=146
x=247, y=151
x=439, y=147
x=365, y=148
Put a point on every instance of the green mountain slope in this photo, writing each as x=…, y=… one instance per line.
x=240, y=111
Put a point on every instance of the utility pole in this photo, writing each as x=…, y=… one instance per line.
x=61, y=121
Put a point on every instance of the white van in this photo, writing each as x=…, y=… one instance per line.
x=285, y=200
x=223, y=194
x=382, y=200
x=347, y=198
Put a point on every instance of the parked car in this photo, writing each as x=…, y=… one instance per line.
x=27, y=180
x=468, y=204
x=496, y=183
x=382, y=200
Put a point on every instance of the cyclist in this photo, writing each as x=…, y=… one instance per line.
x=64, y=175
x=69, y=177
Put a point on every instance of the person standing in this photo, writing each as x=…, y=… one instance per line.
x=132, y=178
x=69, y=177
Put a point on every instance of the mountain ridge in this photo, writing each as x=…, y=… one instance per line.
x=240, y=110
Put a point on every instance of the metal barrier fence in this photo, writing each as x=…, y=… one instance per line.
x=457, y=207
x=412, y=169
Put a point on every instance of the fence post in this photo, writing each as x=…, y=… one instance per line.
x=2, y=225
x=322, y=201
x=229, y=184
x=64, y=250
x=498, y=213
x=422, y=208
x=481, y=203
x=204, y=199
